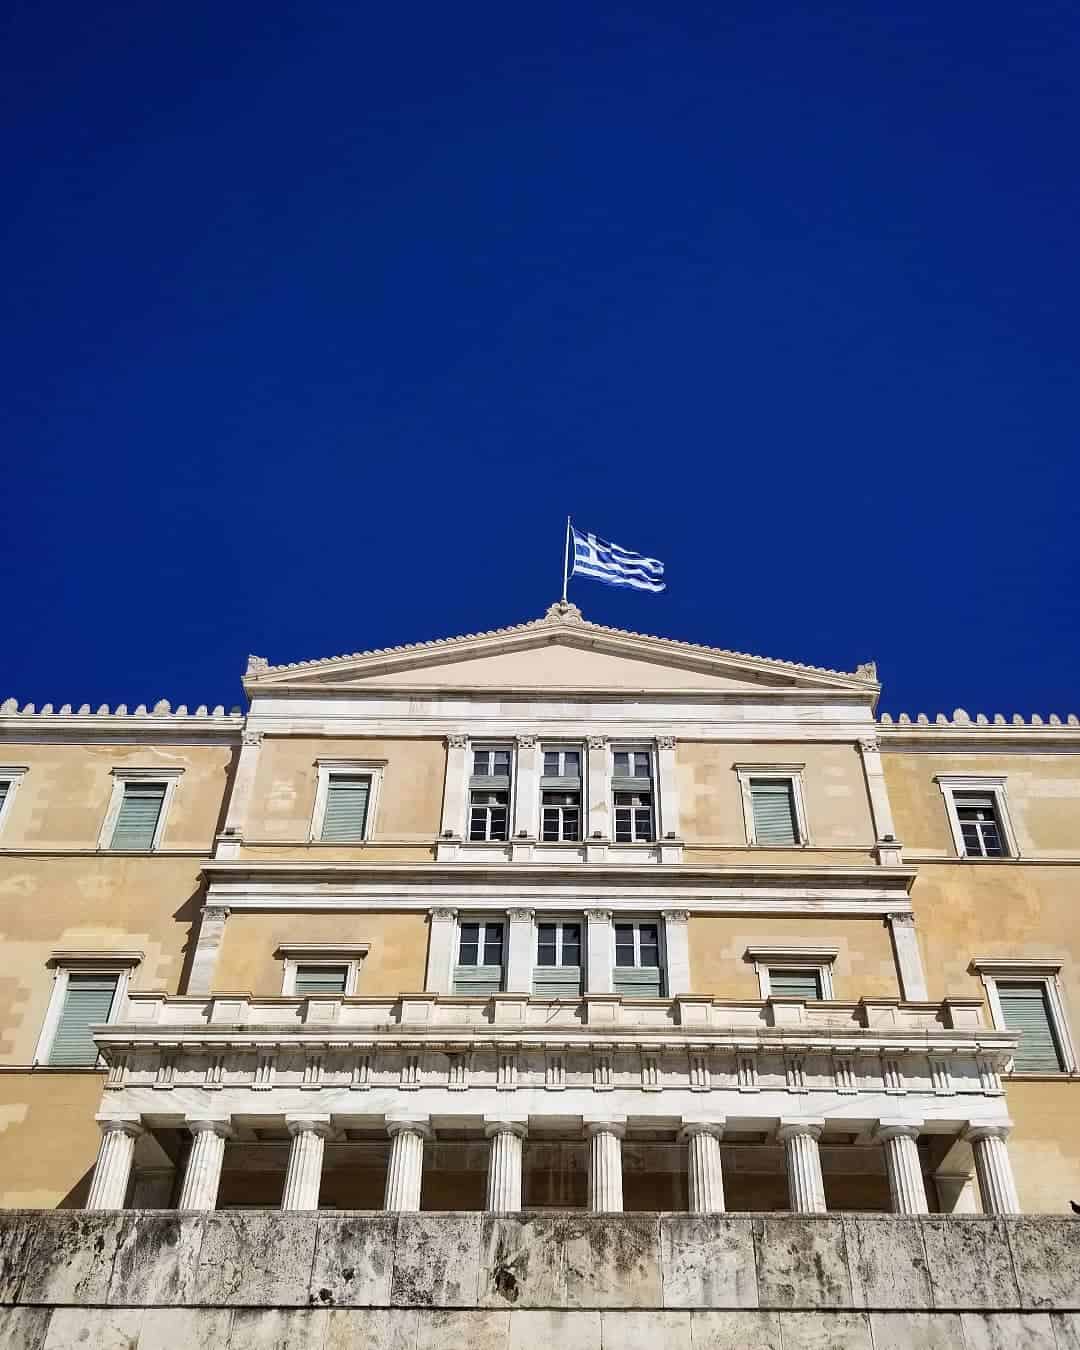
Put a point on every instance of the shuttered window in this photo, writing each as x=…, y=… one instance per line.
x=557, y=973
x=88, y=1000
x=479, y=968
x=795, y=983
x=1026, y=1009
x=320, y=980
x=347, y=796
x=774, y=811
x=638, y=971
x=137, y=821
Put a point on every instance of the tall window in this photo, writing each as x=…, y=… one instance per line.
x=773, y=801
x=479, y=968
x=560, y=796
x=558, y=960
x=347, y=798
x=140, y=810
x=489, y=794
x=632, y=787
x=87, y=999
x=1025, y=1008
x=638, y=959
x=979, y=824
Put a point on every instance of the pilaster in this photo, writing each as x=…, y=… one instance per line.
x=599, y=952
x=909, y=964
x=597, y=783
x=677, y=951
x=520, y=951
x=442, y=933
x=526, y=823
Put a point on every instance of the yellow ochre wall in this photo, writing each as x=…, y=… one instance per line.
x=395, y=964
x=834, y=789
x=410, y=798
x=48, y=1138
x=864, y=964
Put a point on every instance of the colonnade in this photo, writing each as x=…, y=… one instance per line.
x=409, y=1134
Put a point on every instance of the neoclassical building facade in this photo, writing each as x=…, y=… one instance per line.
x=551, y=917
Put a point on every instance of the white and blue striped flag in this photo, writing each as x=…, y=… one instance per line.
x=604, y=561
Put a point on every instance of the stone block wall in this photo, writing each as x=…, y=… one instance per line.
x=259, y=1280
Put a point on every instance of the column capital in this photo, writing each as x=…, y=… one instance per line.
x=457, y=742
x=321, y=1125
x=598, y=915
x=898, y=1129
x=516, y=1125
x=665, y=742
x=808, y=1126
x=215, y=913
x=420, y=1125
x=714, y=1127
x=997, y=1130
x=526, y=742
x=675, y=915
x=219, y=1125
x=902, y=920
x=442, y=912
x=519, y=915
x=596, y=742
x=615, y=1125
x=131, y=1125
x=869, y=745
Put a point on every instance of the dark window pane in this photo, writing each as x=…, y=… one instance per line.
x=498, y=822
x=571, y=829
x=571, y=764
x=624, y=944
x=493, y=943
x=571, y=944
x=551, y=763
x=622, y=764
x=502, y=761
x=468, y=954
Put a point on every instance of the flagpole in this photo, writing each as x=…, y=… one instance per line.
x=566, y=561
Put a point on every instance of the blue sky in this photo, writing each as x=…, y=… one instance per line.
x=319, y=318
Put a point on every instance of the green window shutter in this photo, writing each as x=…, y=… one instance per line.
x=347, y=797
x=774, y=811
x=320, y=980
x=639, y=982
x=795, y=983
x=88, y=1000
x=139, y=811
x=1025, y=1010
x=478, y=979
x=557, y=981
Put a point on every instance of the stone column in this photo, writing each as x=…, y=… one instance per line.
x=406, y=1170
x=116, y=1154
x=520, y=951
x=806, y=1189
x=677, y=950
x=880, y=808
x=504, y=1165
x=202, y=1176
x=527, y=789
x=667, y=784
x=207, y=949
x=993, y=1168
x=605, y=1165
x=909, y=965
x=304, y=1175
x=599, y=952
x=243, y=787
x=598, y=787
x=442, y=935
x=906, y=1186
x=704, y=1169
x=456, y=788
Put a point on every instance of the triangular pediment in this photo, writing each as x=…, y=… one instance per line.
x=561, y=652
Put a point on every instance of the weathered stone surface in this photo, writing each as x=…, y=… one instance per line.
x=71, y=1257
x=888, y=1262
x=370, y=1329
x=630, y=1330
x=735, y=1330
x=916, y=1331
x=277, y=1329
x=1046, y=1258
x=354, y=1260
x=24, y=1328
x=486, y=1329
x=1066, y=1330
x=523, y=1261
x=156, y=1259
x=969, y=1263
x=17, y=1230
x=94, y=1329
x=707, y=1262
x=256, y=1259
x=825, y=1331
x=185, y=1328
x=1007, y=1331
x=554, y=1329
x=436, y=1261
x=613, y=1262
x=802, y=1263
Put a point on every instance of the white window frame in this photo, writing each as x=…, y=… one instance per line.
x=372, y=768
x=649, y=751
x=558, y=920
x=170, y=777
x=649, y=784
x=12, y=775
x=483, y=922
x=1046, y=972
x=67, y=963
x=817, y=959
x=488, y=747
x=952, y=783
x=794, y=775
x=335, y=954
x=562, y=749
x=626, y=920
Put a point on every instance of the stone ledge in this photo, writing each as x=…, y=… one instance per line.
x=671, y=1263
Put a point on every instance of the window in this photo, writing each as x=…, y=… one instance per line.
x=557, y=973
x=489, y=795
x=1025, y=996
x=632, y=787
x=321, y=979
x=10, y=778
x=88, y=988
x=633, y=764
x=560, y=796
x=773, y=810
x=321, y=968
x=638, y=968
x=138, y=809
x=479, y=968
x=795, y=983
x=346, y=798
x=978, y=812
x=794, y=971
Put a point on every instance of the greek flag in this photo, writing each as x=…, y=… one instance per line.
x=604, y=561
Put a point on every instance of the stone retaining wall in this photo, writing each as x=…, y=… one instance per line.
x=238, y=1280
